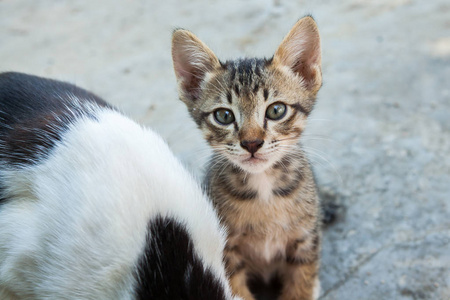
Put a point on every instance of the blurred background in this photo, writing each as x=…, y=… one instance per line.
x=379, y=138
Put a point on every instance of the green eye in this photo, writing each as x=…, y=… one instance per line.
x=224, y=116
x=276, y=111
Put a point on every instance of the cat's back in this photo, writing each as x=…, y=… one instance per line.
x=34, y=113
x=24, y=96
x=94, y=206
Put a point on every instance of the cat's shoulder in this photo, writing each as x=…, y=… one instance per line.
x=20, y=90
x=35, y=112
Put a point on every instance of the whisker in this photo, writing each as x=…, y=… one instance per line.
x=321, y=155
x=317, y=119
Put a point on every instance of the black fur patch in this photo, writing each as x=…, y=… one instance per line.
x=258, y=69
x=236, y=89
x=239, y=194
x=246, y=68
x=238, y=268
x=170, y=269
x=265, y=291
x=291, y=187
x=311, y=258
x=219, y=133
x=34, y=114
x=229, y=98
x=298, y=107
x=200, y=117
x=236, y=127
x=255, y=88
x=233, y=74
x=283, y=163
x=287, y=126
x=266, y=94
x=243, y=195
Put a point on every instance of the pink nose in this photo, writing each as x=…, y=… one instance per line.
x=252, y=146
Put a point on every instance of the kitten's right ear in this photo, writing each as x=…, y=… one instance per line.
x=192, y=59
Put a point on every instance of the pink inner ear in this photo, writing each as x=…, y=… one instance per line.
x=192, y=60
x=300, y=51
x=190, y=75
x=181, y=65
x=307, y=62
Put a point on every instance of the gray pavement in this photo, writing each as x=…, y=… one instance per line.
x=379, y=138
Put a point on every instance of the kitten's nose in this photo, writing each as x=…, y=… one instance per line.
x=252, y=146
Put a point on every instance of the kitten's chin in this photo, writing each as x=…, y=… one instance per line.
x=254, y=165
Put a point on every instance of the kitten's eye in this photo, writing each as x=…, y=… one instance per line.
x=276, y=111
x=224, y=116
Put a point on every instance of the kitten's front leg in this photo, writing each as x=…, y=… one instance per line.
x=301, y=282
x=238, y=282
x=237, y=273
x=301, y=273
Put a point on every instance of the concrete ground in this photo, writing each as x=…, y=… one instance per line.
x=379, y=137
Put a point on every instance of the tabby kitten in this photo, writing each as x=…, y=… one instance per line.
x=253, y=112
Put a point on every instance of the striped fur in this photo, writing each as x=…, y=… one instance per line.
x=259, y=178
x=93, y=206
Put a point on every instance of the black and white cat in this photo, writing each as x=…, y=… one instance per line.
x=93, y=206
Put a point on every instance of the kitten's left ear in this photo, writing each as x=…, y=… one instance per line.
x=192, y=59
x=300, y=52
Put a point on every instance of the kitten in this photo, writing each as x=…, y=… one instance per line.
x=93, y=206
x=253, y=112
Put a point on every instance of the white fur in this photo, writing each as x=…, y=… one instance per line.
x=262, y=183
x=316, y=290
x=76, y=223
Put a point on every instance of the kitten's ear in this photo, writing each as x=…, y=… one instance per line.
x=300, y=52
x=192, y=59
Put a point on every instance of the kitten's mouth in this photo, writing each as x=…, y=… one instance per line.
x=254, y=159
x=255, y=163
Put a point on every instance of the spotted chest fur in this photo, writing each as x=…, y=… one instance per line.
x=273, y=213
x=253, y=112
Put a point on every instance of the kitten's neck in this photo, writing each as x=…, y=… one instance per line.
x=280, y=180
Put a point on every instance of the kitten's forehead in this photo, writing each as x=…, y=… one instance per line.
x=244, y=80
x=247, y=70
